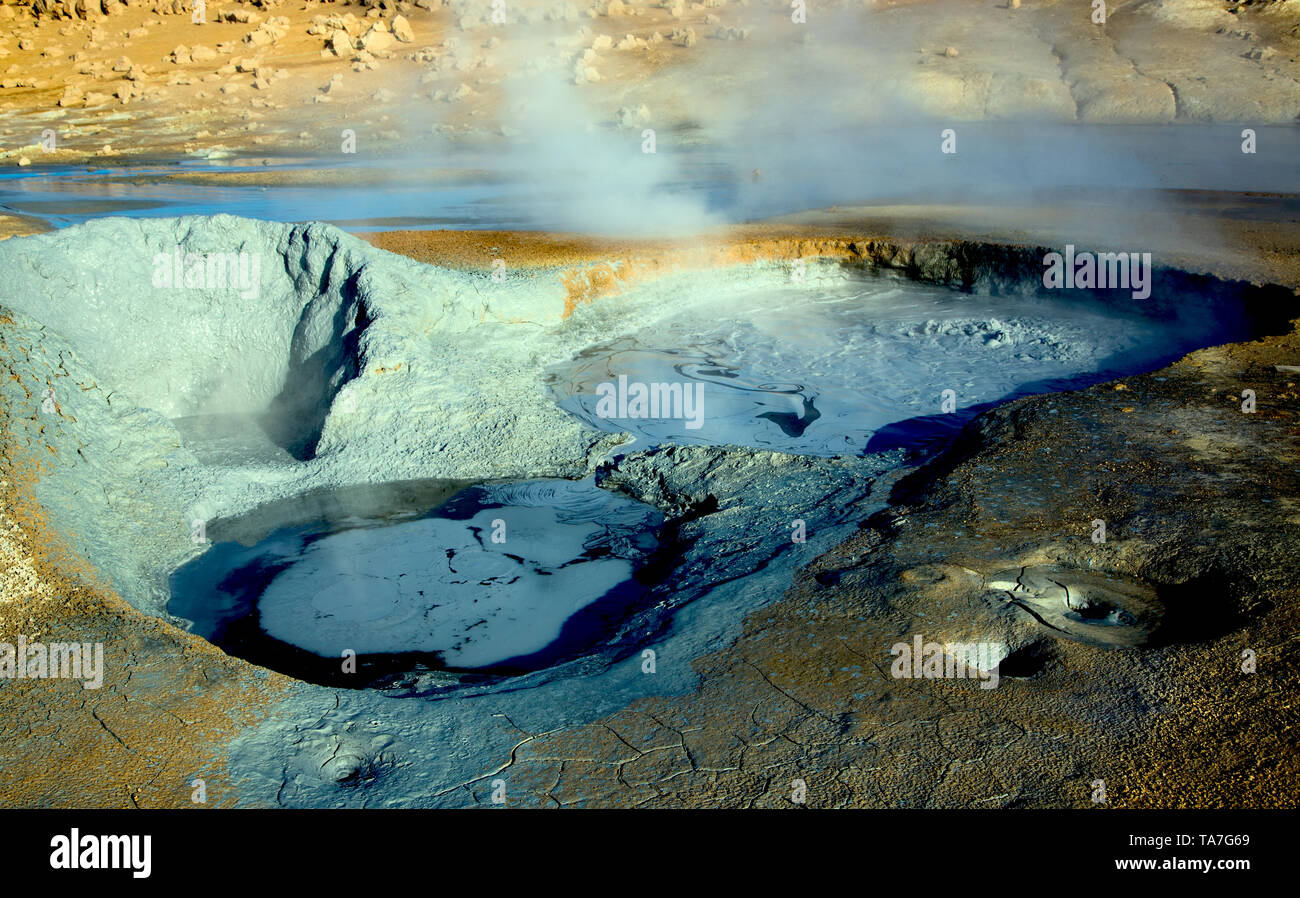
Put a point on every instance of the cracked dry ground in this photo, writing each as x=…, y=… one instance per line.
x=169, y=703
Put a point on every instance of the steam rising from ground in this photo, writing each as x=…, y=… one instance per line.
x=659, y=124
x=577, y=175
x=855, y=107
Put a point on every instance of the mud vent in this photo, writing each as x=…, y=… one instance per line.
x=1026, y=662
x=1087, y=606
x=1203, y=608
x=296, y=416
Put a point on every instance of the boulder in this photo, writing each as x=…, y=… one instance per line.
x=402, y=29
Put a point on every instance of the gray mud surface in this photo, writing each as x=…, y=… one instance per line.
x=1120, y=657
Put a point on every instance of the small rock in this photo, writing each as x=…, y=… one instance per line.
x=340, y=42
x=377, y=40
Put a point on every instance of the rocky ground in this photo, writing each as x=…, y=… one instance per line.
x=1200, y=540
x=93, y=79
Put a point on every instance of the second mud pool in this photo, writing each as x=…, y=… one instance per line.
x=357, y=586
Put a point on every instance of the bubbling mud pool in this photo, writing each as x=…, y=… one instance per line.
x=875, y=364
x=438, y=575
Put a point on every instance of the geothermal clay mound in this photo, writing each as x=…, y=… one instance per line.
x=175, y=418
